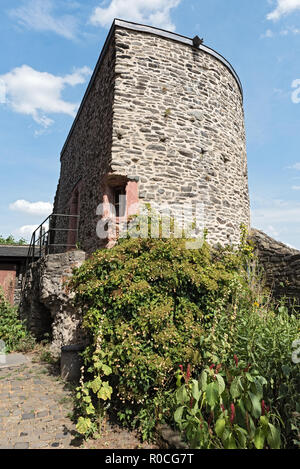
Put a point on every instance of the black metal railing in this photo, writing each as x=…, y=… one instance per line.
x=52, y=236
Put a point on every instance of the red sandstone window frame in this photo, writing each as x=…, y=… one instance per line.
x=114, y=185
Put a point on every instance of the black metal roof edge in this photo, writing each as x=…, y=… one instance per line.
x=150, y=30
x=10, y=250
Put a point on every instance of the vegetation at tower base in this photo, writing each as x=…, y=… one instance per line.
x=13, y=331
x=153, y=308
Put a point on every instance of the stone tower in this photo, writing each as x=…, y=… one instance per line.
x=161, y=121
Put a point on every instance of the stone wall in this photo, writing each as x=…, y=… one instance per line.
x=86, y=158
x=172, y=101
x=168, y=115
x=47, y=305
x=281, y=265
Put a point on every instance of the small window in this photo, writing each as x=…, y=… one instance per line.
x=120, y=201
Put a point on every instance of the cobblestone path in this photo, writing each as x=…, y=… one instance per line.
x=35, y=405
x=34, y=408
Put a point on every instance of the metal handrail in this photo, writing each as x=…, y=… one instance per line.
x=40, y=244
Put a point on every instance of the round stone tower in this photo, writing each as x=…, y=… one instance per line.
x=179, y=126
x=163, y=118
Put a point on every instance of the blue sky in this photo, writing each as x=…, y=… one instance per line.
x=50, y=47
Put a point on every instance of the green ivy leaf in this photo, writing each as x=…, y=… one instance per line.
x=83, y=425
x=106, y=370
x=90, y=409
x=105, y=392
x=96, y=384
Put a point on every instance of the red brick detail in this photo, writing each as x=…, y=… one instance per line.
x=8, y=281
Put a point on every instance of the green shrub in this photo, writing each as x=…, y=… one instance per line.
x=13, y=331
x=225, y=409
x=149, y=303
x=261, y=335
x=152, y=305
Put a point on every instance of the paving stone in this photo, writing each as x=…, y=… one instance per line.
x=21, y=445
x=28, y=416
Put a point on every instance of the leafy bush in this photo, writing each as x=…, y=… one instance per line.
x=150, y=305
x=13, y=331
x=261, y=335
x=225, y=409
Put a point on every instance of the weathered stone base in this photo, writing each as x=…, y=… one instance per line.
x=47, y=305
x=281, y=265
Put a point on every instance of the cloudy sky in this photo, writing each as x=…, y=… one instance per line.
x=50, y=47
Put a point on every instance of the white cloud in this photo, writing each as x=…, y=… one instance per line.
x=34, y=93
x=32, y=208
x=2, y=92
x=26, y=231
x=295, y=166
x=277, y=218
x=153, y=12
x=284, y=7
x=267, y=34
x=38, y=15
x=296, y=188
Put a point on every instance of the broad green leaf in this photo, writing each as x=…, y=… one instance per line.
x=242, y=437
x=264, y=421
x=259, y=439
x=273, y=437
x=256, y=405
x=219, y=427
x=230, y=442
x=182, y=395
x=178, y=414
x=212, y=394
x=236, y=388
x=250, y=377
x=221, y=384
x=196, y=393
x=203, y=381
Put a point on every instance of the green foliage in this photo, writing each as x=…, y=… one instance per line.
x=12, y=330
x=92, y=394
x=150, y=305
x=262, y=336
x=225, y=409
x=10, y=240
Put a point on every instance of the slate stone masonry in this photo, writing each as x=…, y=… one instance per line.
x=281, y=265
x=169, y=115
